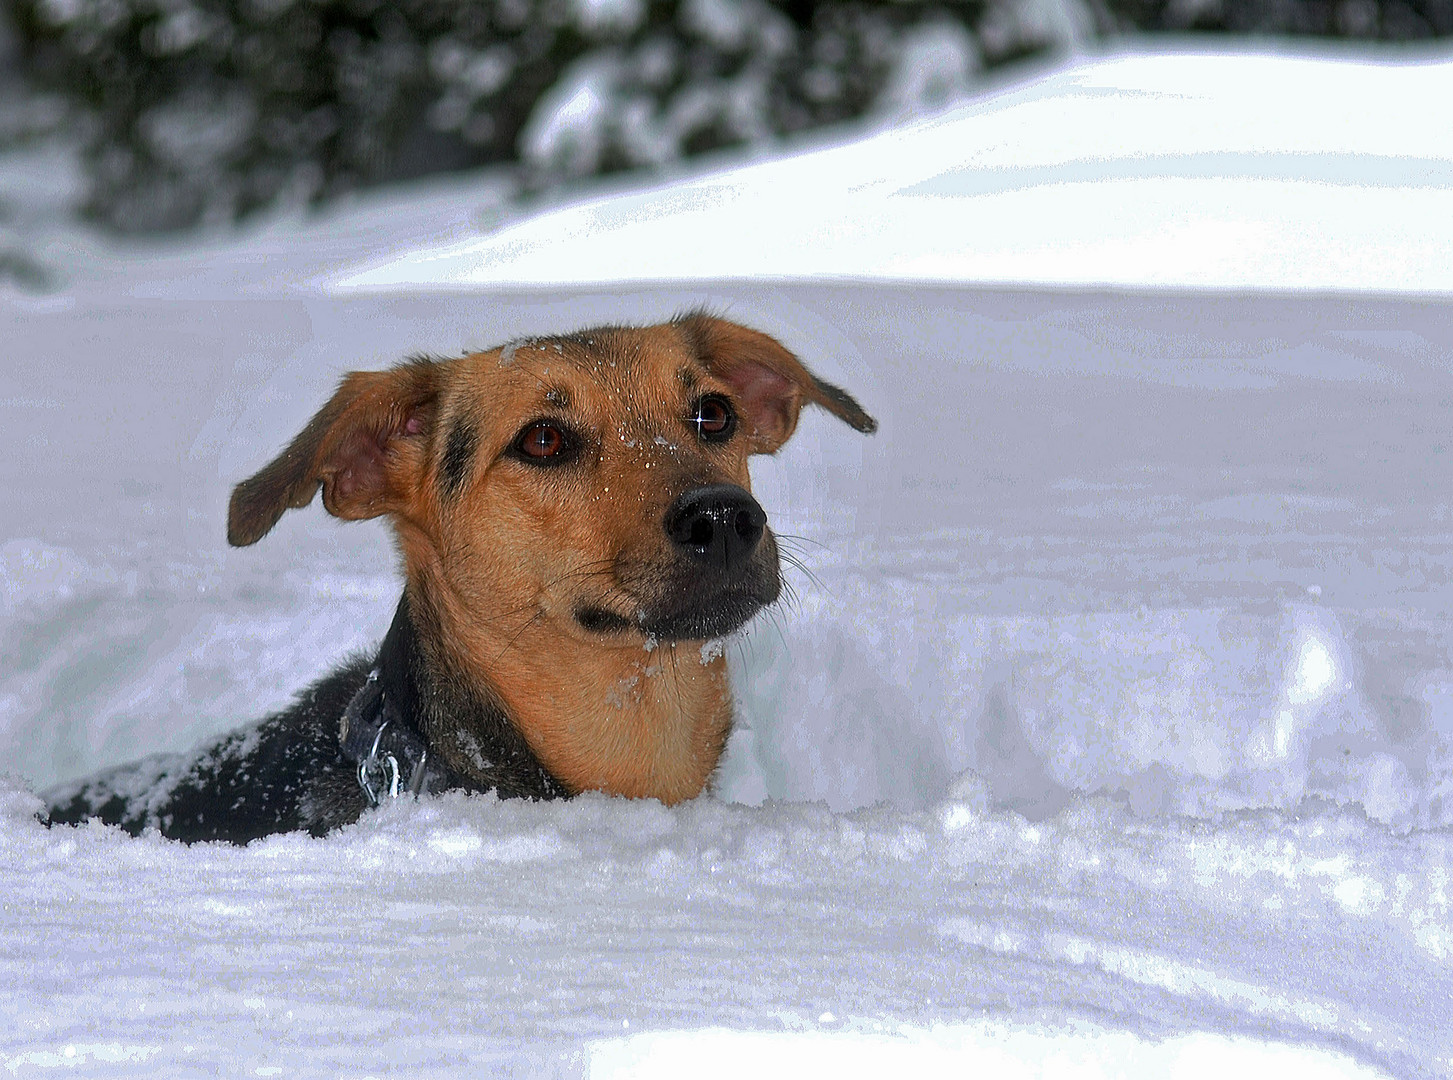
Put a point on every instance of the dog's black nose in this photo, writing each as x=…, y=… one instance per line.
x=720, y=525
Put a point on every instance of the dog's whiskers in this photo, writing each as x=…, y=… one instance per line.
x=582, y=572
x=792, y=540
x=802, y=568
x=520, y=633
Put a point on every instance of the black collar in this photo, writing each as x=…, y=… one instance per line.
x=378, y=731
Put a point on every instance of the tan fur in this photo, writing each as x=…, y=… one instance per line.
x=506, y=557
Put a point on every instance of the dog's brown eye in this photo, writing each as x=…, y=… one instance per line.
x=545, y=443
x=714, y=419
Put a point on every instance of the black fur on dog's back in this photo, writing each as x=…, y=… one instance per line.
x=282, y=774
x=290, y=772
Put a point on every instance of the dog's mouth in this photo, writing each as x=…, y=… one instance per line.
x=600, y=621
x=727, y=613
x=695, y=619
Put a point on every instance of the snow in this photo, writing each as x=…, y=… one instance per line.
x=455, y=935
x=1108, y=731
x=1164, y=170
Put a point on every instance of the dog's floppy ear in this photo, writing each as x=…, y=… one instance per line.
x=355, y=448
x=768, y=382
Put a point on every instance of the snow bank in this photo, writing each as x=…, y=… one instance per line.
x=871, y=695
x=457, y=934
x=1190, y=170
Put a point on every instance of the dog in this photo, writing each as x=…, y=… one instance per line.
x=576, y=527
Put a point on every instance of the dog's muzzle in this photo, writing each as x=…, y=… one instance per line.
x=726, y=564
x=724, y=570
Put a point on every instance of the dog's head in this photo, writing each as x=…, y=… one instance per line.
x=596, y=482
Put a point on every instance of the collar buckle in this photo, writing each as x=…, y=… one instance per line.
x=387, y=768
x=380, y=773
x=377, y=772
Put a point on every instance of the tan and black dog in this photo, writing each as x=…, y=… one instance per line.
x=575, y=524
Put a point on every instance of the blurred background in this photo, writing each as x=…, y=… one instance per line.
x=158, y=116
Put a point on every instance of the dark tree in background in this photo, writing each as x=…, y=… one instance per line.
x=206, y=110
x=1384, y=20
x=209, y=109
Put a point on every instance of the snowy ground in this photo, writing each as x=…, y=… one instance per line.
x=1110, y=730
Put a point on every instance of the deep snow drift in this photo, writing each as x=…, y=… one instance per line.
x=438, y=938
x=1135, y=622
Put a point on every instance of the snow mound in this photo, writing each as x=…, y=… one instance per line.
x=1191, y=169
x=600, y=935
